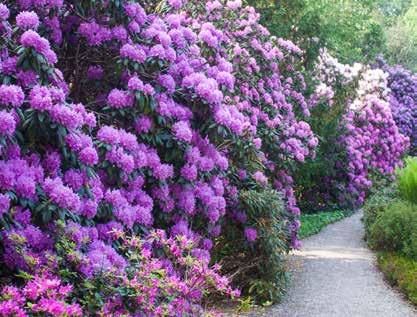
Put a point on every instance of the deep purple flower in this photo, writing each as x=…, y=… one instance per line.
x=120, y=99
x=108, y=135
x=167, y=82
x=95, y=73
x=40, y=98
x=89, y=156
x=134, y=53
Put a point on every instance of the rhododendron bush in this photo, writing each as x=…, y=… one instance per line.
x=121, y=119
x=361, y=141
x=403, y=99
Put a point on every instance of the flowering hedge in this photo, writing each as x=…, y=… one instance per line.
x=119, y=120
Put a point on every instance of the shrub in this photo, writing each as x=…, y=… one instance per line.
x=173, y=284
x=395, y=229
x=260, y=266
x=377, y=203
x=42, y=295
x=407, y=180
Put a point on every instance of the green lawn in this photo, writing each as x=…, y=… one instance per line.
x=313, y=223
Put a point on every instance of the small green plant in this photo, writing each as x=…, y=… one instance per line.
x=407, y=180
x=245, y=304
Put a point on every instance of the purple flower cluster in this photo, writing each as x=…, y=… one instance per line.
x=120, y=99
x=61, y=195
x=31, y=39
x=11, y=95
x=101, y=258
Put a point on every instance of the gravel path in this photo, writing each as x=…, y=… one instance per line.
x=335, y=275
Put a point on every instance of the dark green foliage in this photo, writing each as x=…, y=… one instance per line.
x=258, y=267
x=400, y=271
x=313, y=224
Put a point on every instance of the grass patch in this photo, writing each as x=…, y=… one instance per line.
x=313, y=223
x=400, y=271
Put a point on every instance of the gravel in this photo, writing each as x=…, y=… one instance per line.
x=335, y=275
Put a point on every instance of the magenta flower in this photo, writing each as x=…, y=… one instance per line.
x=120, y=99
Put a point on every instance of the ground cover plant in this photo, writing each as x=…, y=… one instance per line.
x=390, y=215
x=312, y=224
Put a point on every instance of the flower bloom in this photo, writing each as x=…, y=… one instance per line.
x=251, y=234
x=182, y=131
x=27, y=20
